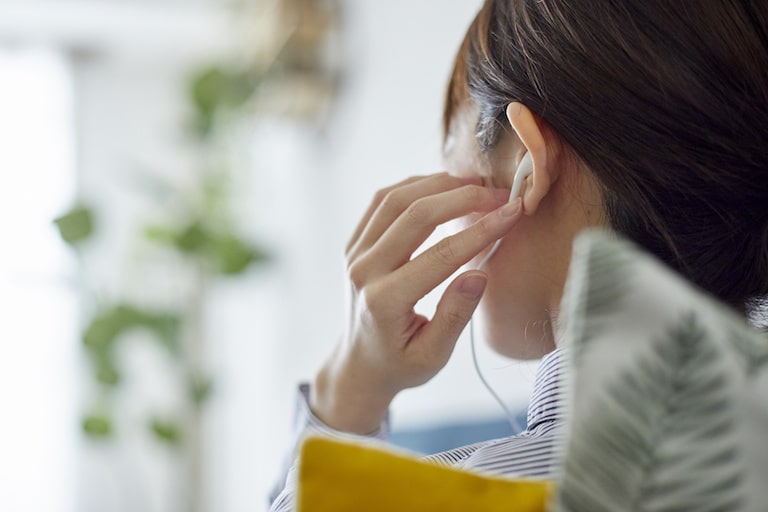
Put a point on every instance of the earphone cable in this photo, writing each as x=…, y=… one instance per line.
x=512, y=419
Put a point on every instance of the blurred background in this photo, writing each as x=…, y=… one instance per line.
x=177, y=182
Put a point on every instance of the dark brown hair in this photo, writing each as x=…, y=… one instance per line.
x=664, y=101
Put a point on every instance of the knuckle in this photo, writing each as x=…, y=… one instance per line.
x=419, y=213
x=393, y=201
x=485, y=227
x=474, y=193
x=357, y=274
x=374, y=301
x=445, y=179
x=378, y=198
x=444, y=251
x=453, y=320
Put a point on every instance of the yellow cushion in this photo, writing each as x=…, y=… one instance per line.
x=337, y=476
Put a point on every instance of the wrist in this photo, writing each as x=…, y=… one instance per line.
x=348, y=402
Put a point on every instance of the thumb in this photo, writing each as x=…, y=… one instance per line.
x=453, y=313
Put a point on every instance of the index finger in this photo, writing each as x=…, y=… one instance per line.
x=422, y=274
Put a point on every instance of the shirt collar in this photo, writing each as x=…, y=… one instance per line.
x=545, y=405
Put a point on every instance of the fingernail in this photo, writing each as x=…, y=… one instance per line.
x=473, y=286
x=511, y=209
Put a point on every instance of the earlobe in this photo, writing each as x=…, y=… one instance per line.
x=533, y=153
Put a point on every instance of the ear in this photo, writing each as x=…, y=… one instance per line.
x=526, y=127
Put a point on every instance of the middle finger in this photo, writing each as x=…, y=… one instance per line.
x=421, y=275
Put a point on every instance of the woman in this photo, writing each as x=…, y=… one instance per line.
x=644, y=117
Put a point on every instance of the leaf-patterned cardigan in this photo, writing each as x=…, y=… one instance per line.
x=667, y=391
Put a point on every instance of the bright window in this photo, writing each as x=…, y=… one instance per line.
x=38, y=311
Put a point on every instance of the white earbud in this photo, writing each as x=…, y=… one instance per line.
x=524, y=170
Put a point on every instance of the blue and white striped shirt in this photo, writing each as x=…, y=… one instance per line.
x=532, y=453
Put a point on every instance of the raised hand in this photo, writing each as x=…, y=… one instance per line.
x=386, y=346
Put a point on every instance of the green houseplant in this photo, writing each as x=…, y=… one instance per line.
x=291, y=77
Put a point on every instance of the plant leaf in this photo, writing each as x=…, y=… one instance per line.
x=160, y=234
x=106, y=371
x=109, y=324
x=223, y=251
x=166, y=432
x=97, y=426
x=200, y=389
x=102, y=332
x=214, y=88
x=192, y=239
x=76, y=225
x=234, y=256
x=166, y=328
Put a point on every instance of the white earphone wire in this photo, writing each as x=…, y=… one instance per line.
x=516, y=427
